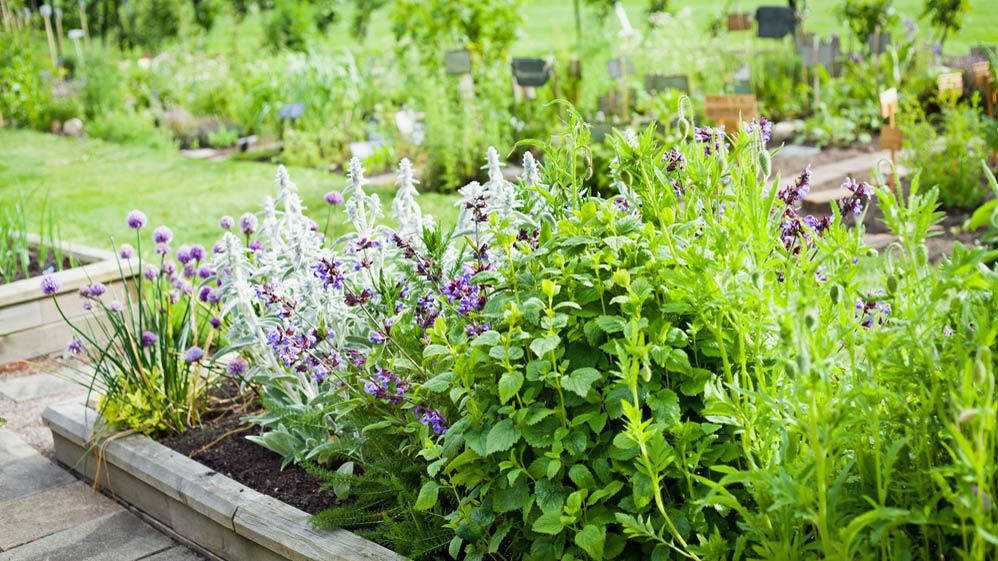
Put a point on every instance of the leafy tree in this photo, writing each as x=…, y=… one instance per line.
x=945, y=15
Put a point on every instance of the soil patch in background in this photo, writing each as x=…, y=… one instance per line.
x=35, y=268
x=250, y=464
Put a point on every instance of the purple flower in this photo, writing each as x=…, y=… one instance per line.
x=150, y=272
x=193, y=354
x=795, y=193
x=215, y=322
x=387, y=386
x=707, y=135
x=255, y=246
x=169, y=268
x=948, y=331
x=162, y=234
x=136, y=219
x=329, y=272
x=197, y=252
x=204, y=293
x=184, y=254
x=205, y=272
x=226, y=222
x=189, y=270
x=237, y=367
x=334, y=198
x=148, y=338
x=765, y=128
x=676, y=160
x=860, y=195
x=819, y=274
x=435, y=419
x=116, y=307
x=162, y=249
x=248, y=223
x=476, y=329
x=96, y=290
x=74, y=347
x=87, y=305
x=50, y=285
x=126, y=251
x=377, y=337
x=218, y=248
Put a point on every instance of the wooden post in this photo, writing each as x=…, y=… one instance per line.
x=7, y=25
x=75, y=35
x=46, y=12
x=950, y=86
x=816, y=51
x=890, y=136
x=83, y=22
x=58, y=31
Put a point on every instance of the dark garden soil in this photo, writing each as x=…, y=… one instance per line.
x=249, y=463
x=36, y=268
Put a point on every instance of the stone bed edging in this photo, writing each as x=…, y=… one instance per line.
x=30, y=325
x=203, y=506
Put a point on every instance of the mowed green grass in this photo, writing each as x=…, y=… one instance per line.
x=90, y=185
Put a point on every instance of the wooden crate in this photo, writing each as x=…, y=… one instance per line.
x=731, y=110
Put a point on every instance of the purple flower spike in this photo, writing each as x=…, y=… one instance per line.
x=237, y=367
x=215, y=322
x=435, y=419
x=162, y=234
x=334, y=198
x=126, y=251
x=136, y=219
x=148, y=338
x=74, y=347
x=50, y=285
x=193, y=354
x=226, y=222
x=248, y=223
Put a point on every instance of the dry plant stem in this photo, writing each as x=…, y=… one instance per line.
x=219, y=439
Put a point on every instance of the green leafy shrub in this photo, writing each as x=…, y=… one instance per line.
x=289, y=25
x=865, y=17
x=948, y=153
x=149, y=24
x=127, y=127
x=24, y=95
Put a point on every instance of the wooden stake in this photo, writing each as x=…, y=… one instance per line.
x=46, y=12
x=58, y=31
x=83, y=22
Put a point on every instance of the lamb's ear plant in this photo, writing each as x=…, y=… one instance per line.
x=146, y=340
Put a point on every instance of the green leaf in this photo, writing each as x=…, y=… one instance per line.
x=545, y=345
x=548, y=523
x=439, y=383
x=509, y=384
x=580, y=380
x=434, y=350
x=502, y=437
x=488, y=338
x=591, y=539
x=610, y=324
x=427, y=496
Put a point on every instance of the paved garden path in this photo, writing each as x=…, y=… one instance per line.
x=46, y=514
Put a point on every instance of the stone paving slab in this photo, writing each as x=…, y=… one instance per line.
x=34, y=386
x=54, y=510
x=13, y=448
x=27, y=476
x=119, y=536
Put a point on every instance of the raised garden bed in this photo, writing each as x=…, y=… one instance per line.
x=30, y=324
x=207, y=508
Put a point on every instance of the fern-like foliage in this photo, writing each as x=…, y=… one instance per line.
x=379, y=495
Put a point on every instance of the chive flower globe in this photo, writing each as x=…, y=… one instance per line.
x=136, y=219
x=148, y=338
x=50, y=285
x=126, y=251
x=197, y=252
x=237, y=367
x=74, y=347
x=193, y=354
x=226, y=222
x=162, y=234
x=334, y=198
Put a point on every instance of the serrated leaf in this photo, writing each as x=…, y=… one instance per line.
x=509, y=384
x=592, y=539
x=502, y=437
x=545, y=345
x=431, y=351
x=427, y=496
x=580, y=380
x=548, y=523
x=610, y=324
x=489, y=338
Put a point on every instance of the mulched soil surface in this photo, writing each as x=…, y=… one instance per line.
x=36, y=269
x=250, y=464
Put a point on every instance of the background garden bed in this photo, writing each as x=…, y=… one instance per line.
x=30, y=324
x=222, y=516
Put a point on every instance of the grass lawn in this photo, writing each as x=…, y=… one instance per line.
x=90, y=185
